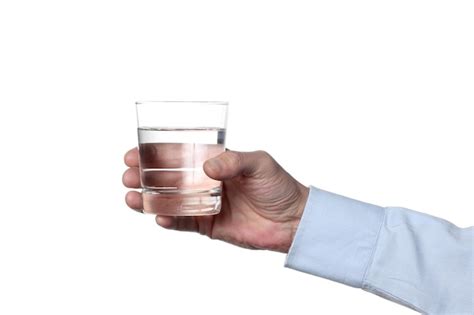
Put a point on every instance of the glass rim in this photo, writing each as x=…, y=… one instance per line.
x=215, y=103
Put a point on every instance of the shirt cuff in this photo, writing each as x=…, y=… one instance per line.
x=335, y=238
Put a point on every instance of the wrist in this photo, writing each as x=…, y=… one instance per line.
x=295, y=218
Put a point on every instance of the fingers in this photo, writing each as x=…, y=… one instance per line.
x=134, y=200
x=131, y=158
x=201, y=224
x=177, y=223
x=194, y=179
x=166, y=222
x=231, y=164
x=131, y=178
x=176, y=155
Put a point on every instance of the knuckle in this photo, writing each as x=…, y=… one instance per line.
x=232, y=158
x=264, y=155
x=124, y=177
x=268, y=163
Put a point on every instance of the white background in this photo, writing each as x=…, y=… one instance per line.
x=369, y=99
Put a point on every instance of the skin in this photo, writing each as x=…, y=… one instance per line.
x=261, y=203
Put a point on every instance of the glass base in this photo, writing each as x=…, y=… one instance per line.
x=181, y=203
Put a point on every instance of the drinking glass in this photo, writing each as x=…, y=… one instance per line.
x=175, y=138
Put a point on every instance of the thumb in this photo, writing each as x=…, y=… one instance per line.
x=230, y=164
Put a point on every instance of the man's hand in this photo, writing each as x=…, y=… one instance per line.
x=261, y=203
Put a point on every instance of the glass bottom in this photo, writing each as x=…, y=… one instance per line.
x=181, y=203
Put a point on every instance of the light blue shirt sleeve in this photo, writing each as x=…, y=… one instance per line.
x=411, y=258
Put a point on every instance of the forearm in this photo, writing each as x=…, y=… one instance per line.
x=411, y=258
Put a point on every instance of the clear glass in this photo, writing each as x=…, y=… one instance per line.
x=175, y=138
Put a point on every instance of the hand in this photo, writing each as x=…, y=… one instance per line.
x=261, y=203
